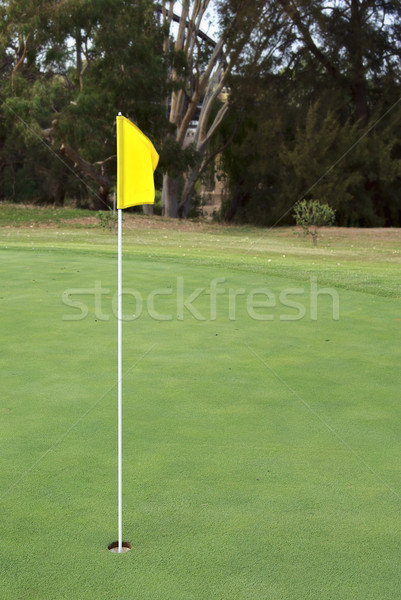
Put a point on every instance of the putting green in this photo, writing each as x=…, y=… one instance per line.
x=261, y=449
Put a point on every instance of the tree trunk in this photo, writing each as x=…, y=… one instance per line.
x=78, y=49
x=170, y=193
x=147, y=209
x=198, y=84
x=238, y=199
x=100, y=199
x=184, y=205
x=59, y=195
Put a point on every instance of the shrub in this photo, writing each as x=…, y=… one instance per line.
x=311, y=214
x=106, y=219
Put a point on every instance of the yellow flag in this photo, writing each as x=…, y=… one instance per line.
x=136, y=161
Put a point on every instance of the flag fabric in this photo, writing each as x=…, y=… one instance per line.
x=136, y=161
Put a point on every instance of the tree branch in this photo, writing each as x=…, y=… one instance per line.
x=294, y=14
x=86, y=168
x=20, y=61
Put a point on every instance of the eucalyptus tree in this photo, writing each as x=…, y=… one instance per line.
x=355, y=43
x=210, y=42
x=28, y=94
x=325, y=120
x=67, y=68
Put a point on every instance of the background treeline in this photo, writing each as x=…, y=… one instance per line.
x=285, y=100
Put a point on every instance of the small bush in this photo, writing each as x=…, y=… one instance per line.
x=106, y=219
x=311, y=214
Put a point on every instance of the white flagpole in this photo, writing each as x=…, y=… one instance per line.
x=119, y=317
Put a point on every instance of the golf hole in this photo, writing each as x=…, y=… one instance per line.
x=125, y=547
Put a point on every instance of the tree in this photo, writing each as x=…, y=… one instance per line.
x=200, y=73
x=355, y=42
x=311, y=214
x=313, y=120
x=29, y=91
x=285, y=97
x=68, y=68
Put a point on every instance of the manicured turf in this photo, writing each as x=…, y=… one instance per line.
x=261, y=457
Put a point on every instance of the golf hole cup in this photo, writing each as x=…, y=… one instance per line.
x=125, y=547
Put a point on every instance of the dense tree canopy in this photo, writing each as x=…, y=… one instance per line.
x=288, y=99
x=325, y=118
x=68, y=68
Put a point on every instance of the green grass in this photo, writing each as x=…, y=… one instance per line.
x=16, y=215
x=261, y=457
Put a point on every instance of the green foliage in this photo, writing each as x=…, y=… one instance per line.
x=311, y=214
x=107, y=219
x=84, y=62
x=318, y=127
x=286, y=153
x=313, y=117
x=197, y=205
x=175, y=159
x=157, y=206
